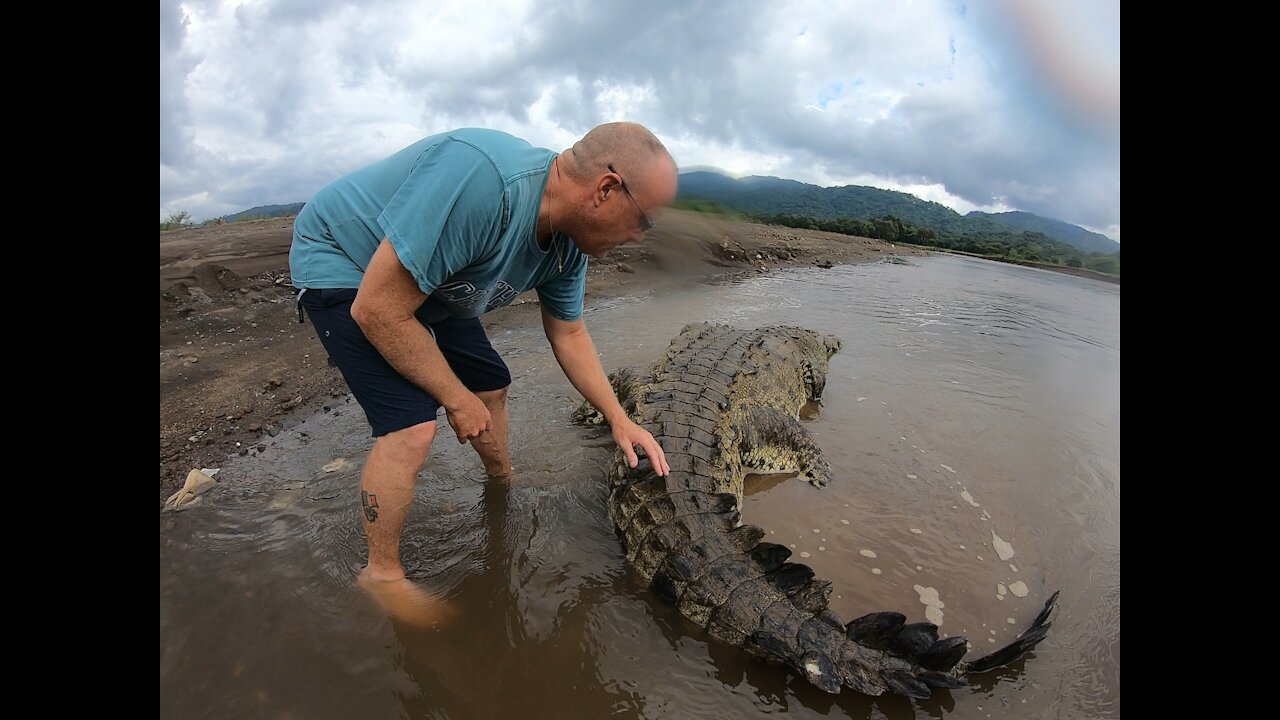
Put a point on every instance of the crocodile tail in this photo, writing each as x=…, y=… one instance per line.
x=874, y=654
x=915, y=661
x=912, y=659
x=1027, y=640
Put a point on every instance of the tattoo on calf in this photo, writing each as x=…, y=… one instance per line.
x=370, y=503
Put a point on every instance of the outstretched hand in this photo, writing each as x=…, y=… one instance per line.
x=629, y=436
x=470, y=418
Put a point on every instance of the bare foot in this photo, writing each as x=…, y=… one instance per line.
x=407, y=602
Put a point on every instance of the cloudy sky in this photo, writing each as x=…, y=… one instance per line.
x=989, y=105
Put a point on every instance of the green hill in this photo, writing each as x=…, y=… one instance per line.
x=764, y=196
x=265, y=211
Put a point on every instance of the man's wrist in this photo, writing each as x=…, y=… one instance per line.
x=455, y=399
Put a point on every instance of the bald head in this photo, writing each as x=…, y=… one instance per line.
x=610, y=187
x=629, y=147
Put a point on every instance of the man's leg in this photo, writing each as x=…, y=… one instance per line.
x=386, y=494
x=494, y=445
x=402, y=419
x=466, y=347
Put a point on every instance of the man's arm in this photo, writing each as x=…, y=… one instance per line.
x=577, y=357
x=384, y=309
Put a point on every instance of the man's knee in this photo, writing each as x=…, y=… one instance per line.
x=413, y=442
x=493, y=398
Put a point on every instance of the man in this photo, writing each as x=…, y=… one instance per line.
x=396, y=262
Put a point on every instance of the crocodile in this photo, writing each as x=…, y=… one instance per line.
x=723, y=402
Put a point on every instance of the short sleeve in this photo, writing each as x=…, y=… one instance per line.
x=563, y=295
x=446, y=213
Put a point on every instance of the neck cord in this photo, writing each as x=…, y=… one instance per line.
x=554, y=248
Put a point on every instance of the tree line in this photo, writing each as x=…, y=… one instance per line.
x=1010, y=246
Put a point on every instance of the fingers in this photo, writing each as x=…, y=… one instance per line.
x=657, y=458
x=470, y=425
x=630, y=438
x=464, y=436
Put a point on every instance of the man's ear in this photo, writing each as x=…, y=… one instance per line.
x=608, y=182
x=604, y=185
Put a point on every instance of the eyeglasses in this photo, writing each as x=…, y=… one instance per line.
x=645, y=223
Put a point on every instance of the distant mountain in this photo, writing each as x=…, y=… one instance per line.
x=1073, y=235
x=771, y=196
x=265, y=211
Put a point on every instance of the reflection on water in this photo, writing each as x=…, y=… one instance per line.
x=974, y=412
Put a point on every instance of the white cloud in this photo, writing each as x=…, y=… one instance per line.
x=1009, y=104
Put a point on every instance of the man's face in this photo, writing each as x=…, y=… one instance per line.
x=624, y=213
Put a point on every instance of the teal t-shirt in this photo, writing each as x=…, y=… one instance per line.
x=461, y=210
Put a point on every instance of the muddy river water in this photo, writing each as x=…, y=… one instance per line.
x=973, y=423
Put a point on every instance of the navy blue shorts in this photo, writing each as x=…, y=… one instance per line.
x=390, y=401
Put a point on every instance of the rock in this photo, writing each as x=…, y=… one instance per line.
x=623, y=267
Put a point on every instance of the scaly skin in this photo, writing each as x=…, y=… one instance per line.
x=723, y=402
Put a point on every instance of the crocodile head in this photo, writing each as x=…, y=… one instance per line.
x=815, y=350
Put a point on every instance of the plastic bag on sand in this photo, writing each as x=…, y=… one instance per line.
x=195, y=486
